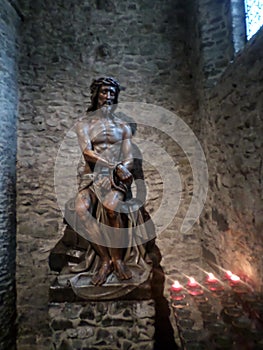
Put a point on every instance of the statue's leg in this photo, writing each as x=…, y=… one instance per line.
x=83, y=202
x=110, y=203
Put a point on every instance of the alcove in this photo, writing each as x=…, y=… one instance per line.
x=178, y=55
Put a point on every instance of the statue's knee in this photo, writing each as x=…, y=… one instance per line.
x=79, y=209
x=81, y=206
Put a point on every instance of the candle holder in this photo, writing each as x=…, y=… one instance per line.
x=179, y=304
x=223, y=341
x=213, y=284
x=185, y=323
x=216, y=288
x=176, y=292
x=240, y=290
x=205, y=308
x=228, y=300
x=194, y=288
x=190, y=336
x=203, y=299
x=219, y=292
x=209, y=318
x=242, y=324
x=217, y=327
x=229, y=314
x=182, y=313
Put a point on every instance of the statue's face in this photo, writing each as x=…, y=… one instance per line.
x=106, y=96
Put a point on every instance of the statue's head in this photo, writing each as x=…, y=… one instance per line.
x=96, y=88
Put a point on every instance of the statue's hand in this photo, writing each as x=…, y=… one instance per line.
x=123, y=173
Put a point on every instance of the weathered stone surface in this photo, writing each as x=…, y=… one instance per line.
x=233, y=138
x=103, y=325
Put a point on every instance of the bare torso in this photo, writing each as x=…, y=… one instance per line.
x=103, y=137
x=106, y=138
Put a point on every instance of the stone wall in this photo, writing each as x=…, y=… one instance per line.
x=105, y=325
x=144, y=48
x=214, y=42
x=9, y=23
x=166, y=53
x=228, y=126
x=232, y=134
x=65, y=44
x=211, y=45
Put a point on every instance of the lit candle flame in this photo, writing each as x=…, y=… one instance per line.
x=176, y=292
x=211, y=277
x=176, y=284
x=229, y=274
x=234, y=278
x=192, y=282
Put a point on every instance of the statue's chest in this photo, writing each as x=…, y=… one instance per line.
x=106, y=132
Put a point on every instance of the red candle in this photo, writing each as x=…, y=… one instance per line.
x=213, y=283
x=228, y=275
x=211, y=278
x=192, y=283
x=176, y=292
x=193, y=287
x=234, y=279
x=176, y=287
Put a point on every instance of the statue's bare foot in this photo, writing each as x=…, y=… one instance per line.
x=121, y=270
x=101, y=275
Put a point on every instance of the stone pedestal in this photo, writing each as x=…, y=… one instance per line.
x=61, y=290
x=103, y=325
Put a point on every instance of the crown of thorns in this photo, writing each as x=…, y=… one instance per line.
x=97, y=83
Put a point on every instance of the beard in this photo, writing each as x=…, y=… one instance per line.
x=106, y=109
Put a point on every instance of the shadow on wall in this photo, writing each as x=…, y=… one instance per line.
x=164, y=333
